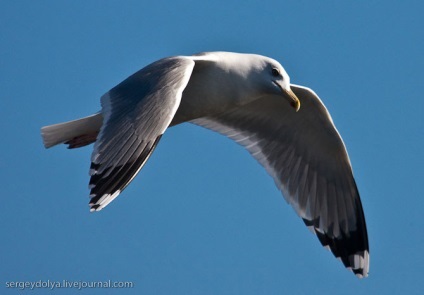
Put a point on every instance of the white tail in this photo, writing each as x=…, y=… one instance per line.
x=64, y=132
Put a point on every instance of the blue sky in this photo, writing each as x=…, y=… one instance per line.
x=203, y=217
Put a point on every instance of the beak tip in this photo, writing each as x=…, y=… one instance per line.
x=294, y=100
x=296, y=105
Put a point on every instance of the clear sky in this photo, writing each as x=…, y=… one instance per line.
x=203, y=217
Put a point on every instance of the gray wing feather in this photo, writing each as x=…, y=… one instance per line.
x=306, y=156
x=136, y=114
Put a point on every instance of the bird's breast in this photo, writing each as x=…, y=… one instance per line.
x=208, y=93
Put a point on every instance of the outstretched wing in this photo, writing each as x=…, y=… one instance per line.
x=307, y=158
x=136, y=114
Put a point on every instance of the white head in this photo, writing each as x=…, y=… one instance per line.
x=273, y=79
x=260, y=75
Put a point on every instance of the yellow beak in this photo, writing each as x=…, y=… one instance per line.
x=294, y=101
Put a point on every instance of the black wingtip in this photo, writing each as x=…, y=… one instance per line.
x=108, y=184
x=351, y=248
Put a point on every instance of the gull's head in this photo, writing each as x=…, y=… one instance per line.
x=264, y=76
x=275, y=81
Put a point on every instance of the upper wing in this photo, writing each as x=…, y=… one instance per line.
x=307, y=158
x=136, y=114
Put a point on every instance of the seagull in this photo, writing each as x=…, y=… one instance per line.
x=248, y=98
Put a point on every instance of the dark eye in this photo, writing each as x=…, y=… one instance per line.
x=275, y=72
